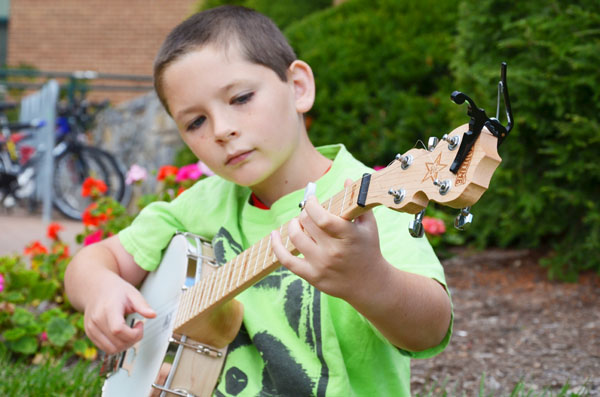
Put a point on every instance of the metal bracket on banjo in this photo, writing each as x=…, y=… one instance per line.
x=198, y=347
x=177, y=392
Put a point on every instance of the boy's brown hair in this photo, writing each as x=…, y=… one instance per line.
x=259, y=39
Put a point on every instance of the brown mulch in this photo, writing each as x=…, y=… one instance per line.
x=514, y=325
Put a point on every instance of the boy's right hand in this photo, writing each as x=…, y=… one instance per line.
x=104, y=317
x=99, y=281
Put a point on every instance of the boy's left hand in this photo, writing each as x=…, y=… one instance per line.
x=340, y=256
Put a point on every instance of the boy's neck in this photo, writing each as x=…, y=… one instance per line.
x=305, y=166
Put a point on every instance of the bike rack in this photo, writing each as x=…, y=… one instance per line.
x=42, y=105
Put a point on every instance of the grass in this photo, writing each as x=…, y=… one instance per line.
x=51, y=379
x=81, y=379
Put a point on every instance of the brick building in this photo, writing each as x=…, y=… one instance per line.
x=106, y=36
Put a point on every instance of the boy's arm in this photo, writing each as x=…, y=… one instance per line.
x=343, y=259
x=100, y=281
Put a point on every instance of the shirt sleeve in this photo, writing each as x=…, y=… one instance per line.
x=149, y=234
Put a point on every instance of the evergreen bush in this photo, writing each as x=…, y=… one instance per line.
x=382, y=74
x=282, y=12
x=545, y=194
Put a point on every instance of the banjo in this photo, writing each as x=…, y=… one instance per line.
x=197, y=315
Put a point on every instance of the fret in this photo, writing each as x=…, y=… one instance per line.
x=188, y=297
x=230, y=270
x=343, y=201
x=329, y=205
x=240, y=270
x=220, y=276
x=257, y=257
x=267, y=253
x=192, y=299
x=281, y=237
x=247, y=264
x=205, y=301
x=202, y=296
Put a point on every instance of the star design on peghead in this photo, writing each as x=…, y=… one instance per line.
x=434, y=168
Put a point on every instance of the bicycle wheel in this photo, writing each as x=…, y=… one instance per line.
x=118, y=189
x=72, y=167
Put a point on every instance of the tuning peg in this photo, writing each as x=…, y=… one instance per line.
x=464, y=218
x=415, y=227
x=432, y=143
x=452, y=141
x=405, y=160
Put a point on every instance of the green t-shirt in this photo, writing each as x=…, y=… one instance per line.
x=295, y=340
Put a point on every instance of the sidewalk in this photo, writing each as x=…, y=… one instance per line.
x=18, y=229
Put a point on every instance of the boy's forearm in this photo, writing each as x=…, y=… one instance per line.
x=88, y=270
x=412, y=311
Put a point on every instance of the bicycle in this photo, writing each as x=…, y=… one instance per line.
x=16, y=160
x=75, y=161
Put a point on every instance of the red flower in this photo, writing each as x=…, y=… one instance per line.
x=165, y=171
x=89, y=218
x=93, y=187
x=53, y=229
x=35, y=248
x=434, y=226
x=61, y=249
x=93, y=238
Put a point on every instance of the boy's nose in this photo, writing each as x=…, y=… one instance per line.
x=225, y=132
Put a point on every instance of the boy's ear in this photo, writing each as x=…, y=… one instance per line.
x=300, y=74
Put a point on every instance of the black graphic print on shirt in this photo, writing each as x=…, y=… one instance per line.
x=282, y=373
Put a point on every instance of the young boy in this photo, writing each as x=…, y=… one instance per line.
x=344, y=318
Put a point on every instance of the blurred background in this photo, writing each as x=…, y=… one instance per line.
x=384, y=72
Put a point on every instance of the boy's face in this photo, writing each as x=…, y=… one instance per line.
x=238, y=117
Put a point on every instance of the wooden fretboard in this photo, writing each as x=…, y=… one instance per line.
x=252, y=265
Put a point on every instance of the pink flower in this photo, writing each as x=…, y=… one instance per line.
x=190, y=171
x=135, y=174
x=93, y=238
x=1, y=283
x=204, y=169
x=434, y=226
x=43, y=336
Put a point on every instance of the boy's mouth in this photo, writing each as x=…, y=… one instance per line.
x=238, y=157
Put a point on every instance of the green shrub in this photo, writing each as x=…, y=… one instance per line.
x=546, y=191
x=36, y=321
x=382, y=74
x=282, y=12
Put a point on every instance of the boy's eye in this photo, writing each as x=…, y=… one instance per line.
x=240, y=100
x=196, y=123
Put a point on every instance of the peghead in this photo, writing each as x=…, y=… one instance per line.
x=415, y=227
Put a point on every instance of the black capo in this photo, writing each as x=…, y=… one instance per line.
x=479, y=119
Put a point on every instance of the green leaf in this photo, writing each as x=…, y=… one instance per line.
x=60, y=331
x=44, y=290
x=22, y=317
x=46, y=316
x=79, y=346
x=14, y=334
x=26, y=345
x=24, y=279
x=14, y=297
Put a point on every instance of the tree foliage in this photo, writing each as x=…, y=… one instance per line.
x=546, y=191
